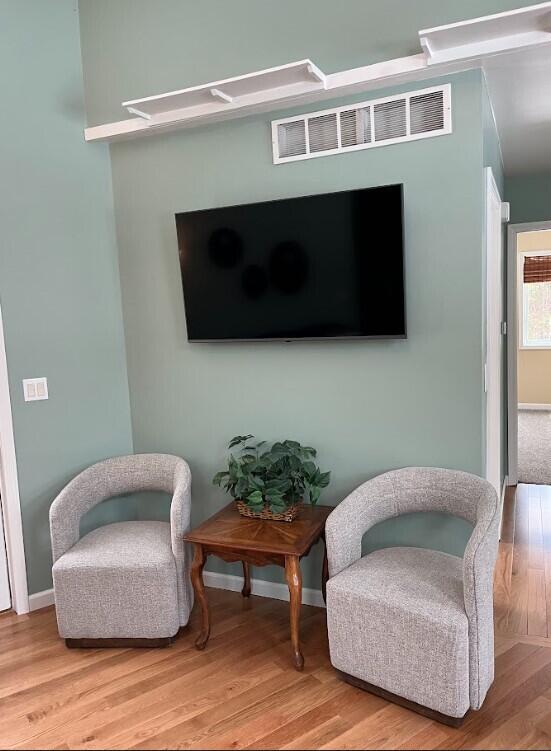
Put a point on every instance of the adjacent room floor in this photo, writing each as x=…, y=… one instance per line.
x=534, y=446
x=243, y=692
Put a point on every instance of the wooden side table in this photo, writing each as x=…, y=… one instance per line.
x=233, y=537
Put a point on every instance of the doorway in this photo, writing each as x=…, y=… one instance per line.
x=529, y=353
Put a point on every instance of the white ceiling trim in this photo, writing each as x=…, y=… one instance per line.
x=517, y=29
x=368, y=77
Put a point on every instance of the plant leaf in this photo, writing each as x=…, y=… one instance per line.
x=325, y=479
x=277, y=506
x=314, y=495
x=219, y=477
x=255, y=498
x=239, y=439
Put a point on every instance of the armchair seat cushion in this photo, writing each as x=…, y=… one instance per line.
x=396, y=619
x=118, y=581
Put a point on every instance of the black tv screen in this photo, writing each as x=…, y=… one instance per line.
x=315, y=267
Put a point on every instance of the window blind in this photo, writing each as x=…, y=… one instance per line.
x=537, y=269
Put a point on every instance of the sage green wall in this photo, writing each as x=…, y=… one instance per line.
x=530, y=197
x=59, y=279
x=367, y=406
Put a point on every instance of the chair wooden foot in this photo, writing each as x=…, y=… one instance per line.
x=432, y=714
x=165, y=641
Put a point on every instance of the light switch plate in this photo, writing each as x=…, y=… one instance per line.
x=35, y=389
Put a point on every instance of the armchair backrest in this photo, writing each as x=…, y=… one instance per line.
x=404, y=491
x=444, y=490
x=111, y=478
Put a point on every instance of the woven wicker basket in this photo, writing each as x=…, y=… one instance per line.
x=290, y=513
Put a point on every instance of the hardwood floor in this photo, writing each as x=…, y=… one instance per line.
x=523, y=571
x=243, y=692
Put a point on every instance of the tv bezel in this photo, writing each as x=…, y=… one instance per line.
x=292, y=339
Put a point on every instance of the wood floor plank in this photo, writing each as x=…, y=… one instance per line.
x=535, y=534
x=537, y=608
x=386, y=728
x=508, y=516
x=545, y=499
x=517, y=618
x=312, y=728
x=515, y=655
x=513, y=732
x=502, y=585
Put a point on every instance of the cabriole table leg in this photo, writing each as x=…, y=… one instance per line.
x=246, y=591
x=294, y=582
x=197, y=566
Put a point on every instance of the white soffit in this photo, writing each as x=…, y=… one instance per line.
x=489, y=35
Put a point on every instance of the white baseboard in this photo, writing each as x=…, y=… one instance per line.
x=41, y=599
x=542, y=407
x=261, y=588
x=502, y=499
x=217, y=581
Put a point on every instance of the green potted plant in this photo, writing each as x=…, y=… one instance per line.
x=271, y=482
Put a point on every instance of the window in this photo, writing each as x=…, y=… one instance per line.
x=535, y=299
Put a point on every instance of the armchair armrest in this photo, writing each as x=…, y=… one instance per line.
x=371, y=503
x=478, y=575
x=81, y=494
x=180, y=509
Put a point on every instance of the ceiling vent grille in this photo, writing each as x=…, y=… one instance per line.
x=409, y=117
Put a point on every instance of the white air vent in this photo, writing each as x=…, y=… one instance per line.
x=291, y=138
x=409, y=117
x=427, y=112
x=322, y=133
x=355, y=127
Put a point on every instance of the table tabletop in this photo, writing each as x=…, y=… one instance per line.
x=228, y=529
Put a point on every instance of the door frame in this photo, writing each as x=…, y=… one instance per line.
x=512, y=341
x=493, y=370
x=9, y=488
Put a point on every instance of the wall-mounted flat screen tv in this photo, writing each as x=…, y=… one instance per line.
x=327, y=266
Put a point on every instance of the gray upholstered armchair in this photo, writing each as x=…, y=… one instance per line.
x=411, y=624
x=127, y=580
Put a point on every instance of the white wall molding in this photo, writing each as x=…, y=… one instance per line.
x=542, y=407
x=10, y=506
x=395, y=72
x=503, y=491
x=41, y=599
x=488, y=35
x=261, y=588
